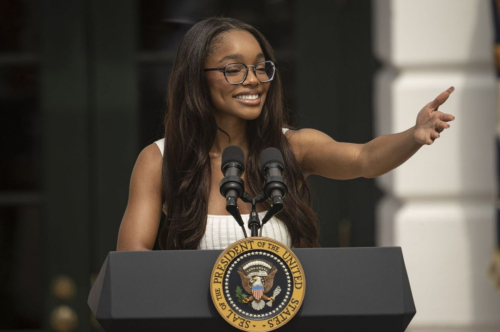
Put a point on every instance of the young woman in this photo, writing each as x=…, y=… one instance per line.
x=225, y=90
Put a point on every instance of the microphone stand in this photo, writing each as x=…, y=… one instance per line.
x=253, y=220
x=254, y=223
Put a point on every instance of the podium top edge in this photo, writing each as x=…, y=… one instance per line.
x=293, y=249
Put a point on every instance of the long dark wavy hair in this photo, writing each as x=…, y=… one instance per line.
x=190, y=131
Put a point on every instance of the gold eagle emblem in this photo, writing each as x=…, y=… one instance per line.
x=257, y=279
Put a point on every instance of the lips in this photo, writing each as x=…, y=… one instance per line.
x=249, y=99
x=247, y=96
x=248, y=92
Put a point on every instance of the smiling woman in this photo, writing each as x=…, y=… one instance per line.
x=224, y=90
x=231, y=103
x=246, y=92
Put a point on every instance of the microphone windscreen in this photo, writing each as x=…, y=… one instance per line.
x=233, y=154
x=271, y=155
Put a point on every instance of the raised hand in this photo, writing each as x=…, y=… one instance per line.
x=431, y=122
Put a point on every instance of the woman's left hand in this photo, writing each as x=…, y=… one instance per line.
x=431, y=122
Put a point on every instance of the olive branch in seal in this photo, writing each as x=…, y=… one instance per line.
x=240, y=296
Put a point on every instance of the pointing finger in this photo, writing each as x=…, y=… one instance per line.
x=441, y=98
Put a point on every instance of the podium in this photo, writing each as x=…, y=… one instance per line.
x=348, y=289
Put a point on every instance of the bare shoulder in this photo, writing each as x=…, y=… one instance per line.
x=302, y=140
x=147, y=168
x=149, y=163
x=306, y=136
x=151, y=155
x=140, y=222
x=319, y=154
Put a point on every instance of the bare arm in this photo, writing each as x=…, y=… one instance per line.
x=319, y=154
x=139, y=226
x=387, y=152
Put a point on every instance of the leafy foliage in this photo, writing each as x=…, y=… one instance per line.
x=240, y=296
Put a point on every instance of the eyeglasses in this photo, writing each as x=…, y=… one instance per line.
x=236, y=73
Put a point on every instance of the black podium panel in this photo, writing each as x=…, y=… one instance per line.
x=348, y=289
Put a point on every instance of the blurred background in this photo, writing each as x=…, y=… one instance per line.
x=82, y=88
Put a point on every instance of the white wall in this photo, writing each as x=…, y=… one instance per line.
x=439, y=206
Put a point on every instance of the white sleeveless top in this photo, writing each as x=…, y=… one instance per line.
x=222, y=230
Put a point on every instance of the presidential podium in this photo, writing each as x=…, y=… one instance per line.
x=348, y=289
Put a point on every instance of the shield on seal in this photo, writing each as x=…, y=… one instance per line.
x=257, y=292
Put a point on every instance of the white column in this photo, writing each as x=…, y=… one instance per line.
x=439, y=206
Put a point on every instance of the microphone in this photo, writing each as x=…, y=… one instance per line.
x=275, y=187
x=232, y=186
x=271, y=161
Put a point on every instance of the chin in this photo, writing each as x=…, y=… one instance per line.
x=243, y=114
x=249, y=113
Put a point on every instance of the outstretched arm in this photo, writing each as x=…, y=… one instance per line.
x=319, y=154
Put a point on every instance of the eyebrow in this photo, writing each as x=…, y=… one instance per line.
x=239, y=56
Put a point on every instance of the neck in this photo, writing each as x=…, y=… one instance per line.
x=235, y=128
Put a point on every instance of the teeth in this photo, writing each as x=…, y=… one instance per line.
x=250, y=97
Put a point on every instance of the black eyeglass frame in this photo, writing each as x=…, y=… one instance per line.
x=223, y=69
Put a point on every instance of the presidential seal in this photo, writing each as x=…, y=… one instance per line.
x=257, y=284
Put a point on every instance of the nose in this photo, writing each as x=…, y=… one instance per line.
x=251, y=79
